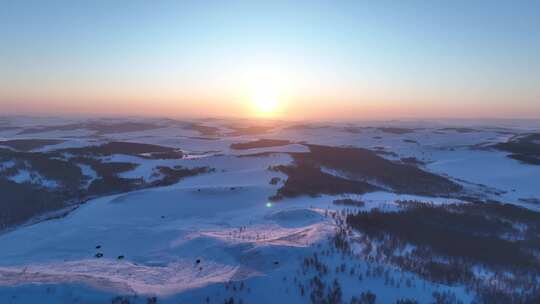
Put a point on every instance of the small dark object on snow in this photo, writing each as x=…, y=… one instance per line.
x=276, y=262
x=198, y=261
x=99, y=255
x=163, y=216
x=198, y=190
x=98, y=246
x=274, y=180
x=232, y=188
x=120, y=257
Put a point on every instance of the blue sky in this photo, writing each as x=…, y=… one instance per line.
x=402, y=58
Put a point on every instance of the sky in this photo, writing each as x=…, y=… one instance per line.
x=285, y=59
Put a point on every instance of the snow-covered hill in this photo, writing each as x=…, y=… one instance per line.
x=216, y=234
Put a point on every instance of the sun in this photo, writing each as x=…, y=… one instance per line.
x=265, y=103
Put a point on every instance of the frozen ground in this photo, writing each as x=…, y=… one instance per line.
x=215, y=236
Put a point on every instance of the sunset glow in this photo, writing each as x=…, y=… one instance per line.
x=265, y=103
x=292, y=59
x=240, y=151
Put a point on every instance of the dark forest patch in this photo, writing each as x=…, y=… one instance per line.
x=205, y=130
x=29, y=144
x=363, y=164
x=395, y=130
x=459, y=130
x=174, y=175
x=524, y=158
x=349, y=202
x=261, y=143
x=305, y=127
x=353, y=130
x=67, y=174
x=531, y=200
x=127, y=148
x=304, y=179
x=7, y=127
x=251, y=130
x=410, y=141
x=100, y=128
x=364, y=171
x=382, y=151
x=451, y=241
x=105, y=168
x=525, y=149
x=259, y=154
x=21, y=201
x=412, y=161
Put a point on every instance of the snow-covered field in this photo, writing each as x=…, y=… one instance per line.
x=216, y=235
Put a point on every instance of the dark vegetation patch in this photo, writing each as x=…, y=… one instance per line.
x=364, y=164
x=120, y=127
x=204, y=138
x=127, y=148
x=22, y=201
x=301, y=127
x=395, y=130
x=111, y=184
x=459, y=130
x=452, y=241
x=349, y=202
x=365, y=172
x=251, y=130
x=261, y=143
x=29, y=144
x=525, y=148
x=456, y=231
x=67, y=174
x=322, y=273
x=174, y=175
x=412, y=161
x=7, y=127
x=108, y=181
x=531, y=200
x=382, y=151
x=305, y=179
x=258, y=154
x=353, y=130
x=528, y=159
x=100, y=128
x=275, y=180
x=205, y=130
x=104, y=168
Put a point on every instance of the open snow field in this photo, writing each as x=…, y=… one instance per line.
x=216, y=235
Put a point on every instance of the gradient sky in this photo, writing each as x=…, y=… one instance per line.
x=324, y=59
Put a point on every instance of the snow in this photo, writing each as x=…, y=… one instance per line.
x=224, y=219
x=491, y=168
x=7, y=164
x=22, y=176
x=26, y=176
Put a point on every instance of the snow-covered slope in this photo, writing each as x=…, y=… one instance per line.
x=215, y=236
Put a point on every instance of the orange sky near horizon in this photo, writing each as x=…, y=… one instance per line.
x=299, y=109
x=316, y=60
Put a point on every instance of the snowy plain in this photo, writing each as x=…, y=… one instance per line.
x=186, y=243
